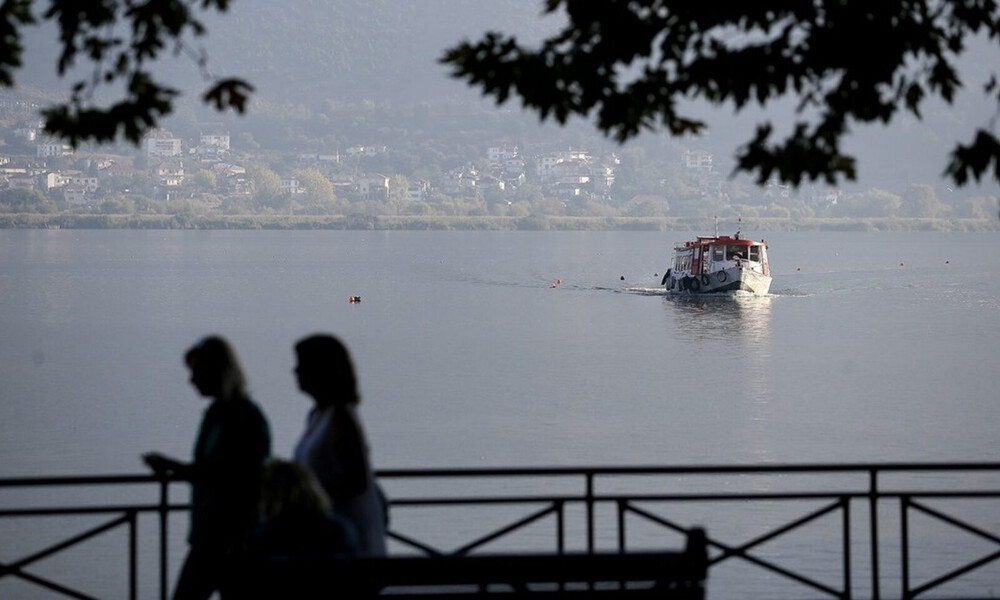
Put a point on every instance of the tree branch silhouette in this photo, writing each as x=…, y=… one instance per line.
x=629, y=63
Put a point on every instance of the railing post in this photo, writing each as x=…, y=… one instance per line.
x=621, y=526
x=560, y=527
x=133, y=555
x=164, y=499
x=846, y=501
x=873, y=509
x=590, y=512
x=904, y=530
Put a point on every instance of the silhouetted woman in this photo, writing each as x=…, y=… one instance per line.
x=333, y=445
x=225, y=473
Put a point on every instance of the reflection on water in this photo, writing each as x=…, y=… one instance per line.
x=724, y=317
x=731, y=338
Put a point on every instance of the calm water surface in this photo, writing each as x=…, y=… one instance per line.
x=871, y=347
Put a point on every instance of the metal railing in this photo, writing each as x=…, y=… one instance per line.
x=873, y=509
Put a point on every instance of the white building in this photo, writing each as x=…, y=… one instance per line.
x=698, y=160
x=290, y=186
x=80, y=180
x=54, y=148
x=213, y=143
x=547, y=164
x=418, y=190
x=374, y=186
x=162, y=143
x=499, y=154
x=170, y=173
x=74, y=195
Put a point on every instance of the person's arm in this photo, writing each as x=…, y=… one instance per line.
x=165, y=466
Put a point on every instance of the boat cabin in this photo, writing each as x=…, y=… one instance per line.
x=710, y=254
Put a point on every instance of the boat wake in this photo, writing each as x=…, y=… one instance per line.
x=644, y=291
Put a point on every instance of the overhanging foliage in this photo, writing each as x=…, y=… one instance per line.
x=629, y=63
x=118, y=40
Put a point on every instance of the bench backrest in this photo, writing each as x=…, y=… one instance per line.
x=674, y=574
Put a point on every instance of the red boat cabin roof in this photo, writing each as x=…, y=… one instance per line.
x=722, y=239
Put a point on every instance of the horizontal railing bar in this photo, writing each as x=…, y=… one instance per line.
x=568, y=498
x=720, y=497
x=81, y=480
x=860, y=468
x=87, y=510
x=687, y=469
x=894, y=494
x=440, y=501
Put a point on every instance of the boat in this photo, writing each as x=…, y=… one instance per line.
x=719, y=264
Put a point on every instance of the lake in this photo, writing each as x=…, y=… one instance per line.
x=870, y=347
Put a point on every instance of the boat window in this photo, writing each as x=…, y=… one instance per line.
x=717, y=253
x=734, y=252
x=755, y=253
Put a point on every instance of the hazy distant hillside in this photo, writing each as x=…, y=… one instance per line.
x=313, y=52
x=356, y=49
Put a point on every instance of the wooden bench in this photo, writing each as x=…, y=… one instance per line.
x=676, y=575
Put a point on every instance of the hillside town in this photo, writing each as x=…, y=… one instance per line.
x=209, y=171
x=166, y=168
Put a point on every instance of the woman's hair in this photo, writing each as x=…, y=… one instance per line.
x=289, y=487
x=323, y=353
x=214, y=356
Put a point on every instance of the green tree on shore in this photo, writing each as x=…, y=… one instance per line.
x=15, y=200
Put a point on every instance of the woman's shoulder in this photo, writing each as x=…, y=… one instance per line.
x=243, y=411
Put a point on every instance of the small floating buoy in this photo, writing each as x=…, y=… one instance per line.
x=798, y=268
x=622, y=278
x=901, y=264
x=947, y=262
x=354, y=299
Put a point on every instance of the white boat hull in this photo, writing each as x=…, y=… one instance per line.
x=731, y=280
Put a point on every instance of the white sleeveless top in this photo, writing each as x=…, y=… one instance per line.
x=316, y=451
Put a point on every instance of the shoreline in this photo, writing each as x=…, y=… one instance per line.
x=482, y=223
